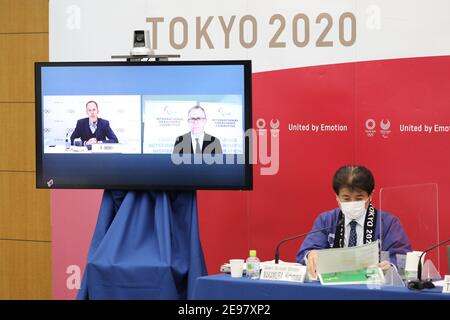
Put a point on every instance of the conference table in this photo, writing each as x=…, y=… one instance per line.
x=224, y=287
x=117, y=148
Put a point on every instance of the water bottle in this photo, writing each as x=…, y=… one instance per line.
x=67, y=141
x=253, y=265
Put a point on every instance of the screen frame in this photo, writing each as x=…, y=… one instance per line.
x=247, y=64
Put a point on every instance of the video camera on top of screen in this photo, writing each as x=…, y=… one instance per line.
x=141, y=43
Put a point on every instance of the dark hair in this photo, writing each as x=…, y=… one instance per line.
x=92, y=101
x=353, y=177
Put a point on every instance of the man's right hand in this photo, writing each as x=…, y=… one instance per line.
x=312, y=263
x=91, y=141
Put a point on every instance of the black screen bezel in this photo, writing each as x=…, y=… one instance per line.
x=41, y=184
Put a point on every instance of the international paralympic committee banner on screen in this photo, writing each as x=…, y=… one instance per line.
x=122, y=125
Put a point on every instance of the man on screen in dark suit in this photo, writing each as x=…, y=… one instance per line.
x=93, y=129
x=197, y=140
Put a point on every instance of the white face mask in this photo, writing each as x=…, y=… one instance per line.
x=353, y=209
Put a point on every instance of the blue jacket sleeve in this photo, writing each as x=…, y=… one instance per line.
x=110, y=134
x=76, y=133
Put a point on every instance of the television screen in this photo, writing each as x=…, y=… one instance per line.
x=143, y=125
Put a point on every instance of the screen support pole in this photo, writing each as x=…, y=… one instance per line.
x=144, y=219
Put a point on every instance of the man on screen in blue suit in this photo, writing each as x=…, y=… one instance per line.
x=93, y=129
x=354, y=186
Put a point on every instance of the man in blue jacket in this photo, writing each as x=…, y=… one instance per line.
x=93, y=129
x=355, y=222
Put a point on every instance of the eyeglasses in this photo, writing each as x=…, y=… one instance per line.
x=196, y=119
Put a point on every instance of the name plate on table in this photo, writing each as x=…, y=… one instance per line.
x=106, y=148
x=446, y=284
x=283, y=272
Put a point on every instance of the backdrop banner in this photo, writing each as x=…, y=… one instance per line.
x=334, y=83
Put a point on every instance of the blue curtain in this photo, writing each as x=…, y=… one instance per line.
x=145, y=246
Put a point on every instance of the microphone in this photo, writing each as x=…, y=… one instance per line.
x=420, y=284
x=277, y=254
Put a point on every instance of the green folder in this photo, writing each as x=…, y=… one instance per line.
x=362, y=276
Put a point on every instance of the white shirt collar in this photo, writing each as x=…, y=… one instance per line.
x=359, y=221
x=200, y=137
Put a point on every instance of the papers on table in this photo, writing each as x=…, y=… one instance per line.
x=354, y=265
x=347, y=259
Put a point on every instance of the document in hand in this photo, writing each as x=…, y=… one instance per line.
x=354, y=265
